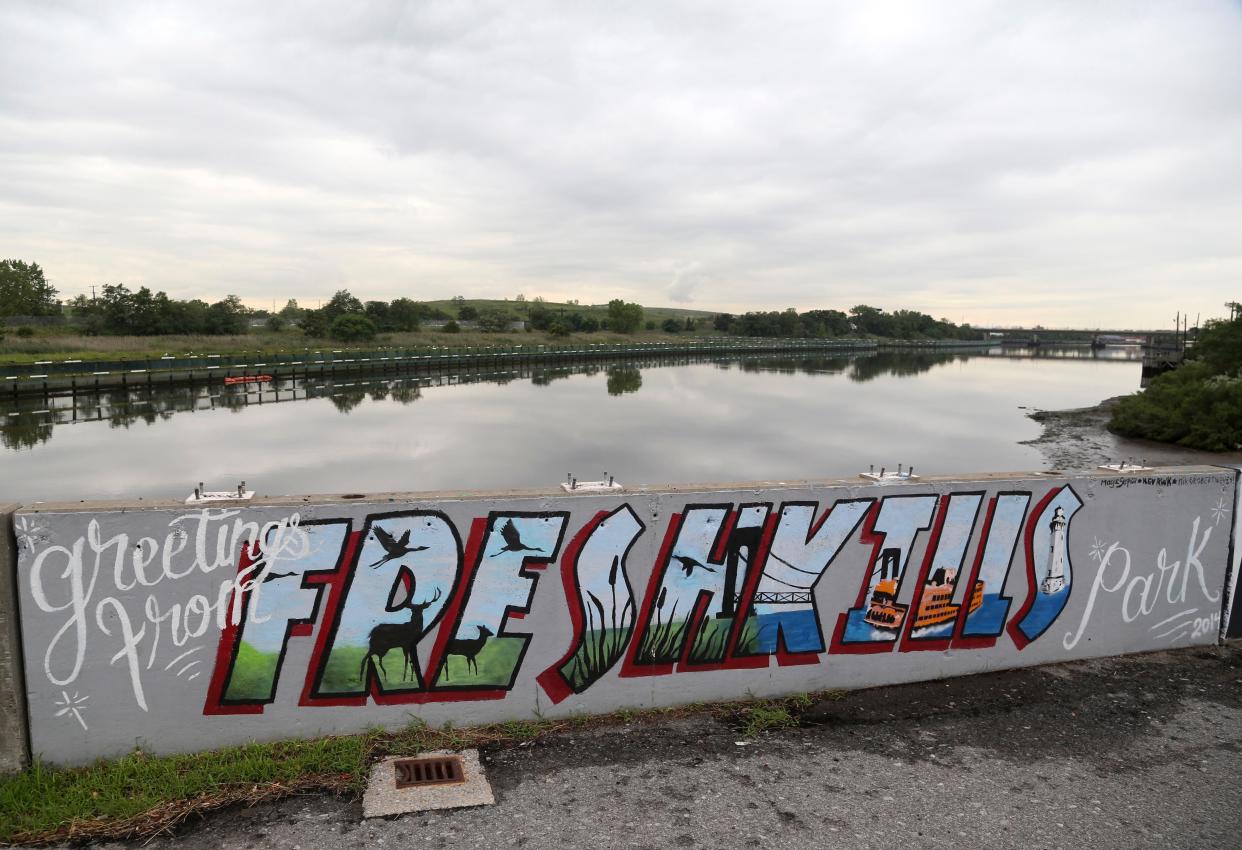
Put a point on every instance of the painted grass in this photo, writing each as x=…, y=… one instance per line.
x=496, y=662
x=142, y=795
x=600, y=650
x=342, y=674
x=253, y=674
x=606, y=635
x=663, y=641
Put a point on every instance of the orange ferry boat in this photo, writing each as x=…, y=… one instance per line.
x=250, y=379
x=935, y=607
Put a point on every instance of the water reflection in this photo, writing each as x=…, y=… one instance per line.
x=679, y=419
x=31, y=421
x=624, y=379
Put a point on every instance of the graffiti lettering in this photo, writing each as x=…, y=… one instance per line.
x=1142, y=593
x=356, y=614
x=80, y=566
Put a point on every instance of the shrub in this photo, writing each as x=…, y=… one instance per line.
x=1198, y=404
x=671, y=326
x=25, y=332
x=352, y=327
x=623, y=317
x=494, y=320
x=451, y=327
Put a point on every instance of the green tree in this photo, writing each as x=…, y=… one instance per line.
x=24, y=291
x=1198, y=404
x=494, y=320
x=404, y=314
x=378, y=313
x=314, y=324
x=341, y=303
x=353, y=327
x=624, y=317
x=227, y=316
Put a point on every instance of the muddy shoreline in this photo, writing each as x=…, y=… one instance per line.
x=1078, y=439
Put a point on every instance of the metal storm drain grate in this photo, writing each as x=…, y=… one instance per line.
x=435, y=780
x=431, y=770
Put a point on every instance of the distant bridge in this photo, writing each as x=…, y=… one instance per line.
x=780, y=598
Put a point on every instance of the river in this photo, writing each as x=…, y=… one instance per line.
x=755, y=417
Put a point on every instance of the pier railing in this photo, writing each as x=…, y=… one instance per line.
x=54, y=376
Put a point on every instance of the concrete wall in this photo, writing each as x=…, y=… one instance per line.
x=162, y=626
x=1232, y=613
x=13, y=751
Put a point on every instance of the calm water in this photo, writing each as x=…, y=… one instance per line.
x=750, y=418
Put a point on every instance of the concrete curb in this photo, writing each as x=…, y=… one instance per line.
x=14, y=747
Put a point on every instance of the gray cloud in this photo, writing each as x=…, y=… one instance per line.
x=1063, y=163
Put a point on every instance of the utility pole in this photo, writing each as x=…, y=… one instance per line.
x=92, y=293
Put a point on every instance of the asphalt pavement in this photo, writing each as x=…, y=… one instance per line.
x=1135, y=752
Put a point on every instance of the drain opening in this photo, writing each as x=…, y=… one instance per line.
x=431, y=770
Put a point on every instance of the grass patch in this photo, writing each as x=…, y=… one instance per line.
x=143, y=795
x=59, y=345
x=761, y=718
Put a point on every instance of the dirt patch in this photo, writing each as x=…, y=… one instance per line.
x=1078, y=439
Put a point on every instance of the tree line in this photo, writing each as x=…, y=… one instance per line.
x=1199, y=403
x=24, y=291
x=118, y=310
x=862, y=320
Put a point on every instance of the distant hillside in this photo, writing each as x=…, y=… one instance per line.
x=519, y=308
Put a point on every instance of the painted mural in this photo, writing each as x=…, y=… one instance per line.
x=270, y=621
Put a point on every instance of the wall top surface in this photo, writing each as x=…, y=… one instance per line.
x=650, y=489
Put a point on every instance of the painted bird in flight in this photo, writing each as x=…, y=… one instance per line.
x=688, y=564
x=513, y=540
x=393, y=548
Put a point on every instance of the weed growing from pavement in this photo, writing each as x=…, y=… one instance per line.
x=142, y=795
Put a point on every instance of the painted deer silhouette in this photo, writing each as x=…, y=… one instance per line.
x=403, y=636
x=467, y=648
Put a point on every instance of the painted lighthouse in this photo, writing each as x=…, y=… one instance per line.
x=1054, y=582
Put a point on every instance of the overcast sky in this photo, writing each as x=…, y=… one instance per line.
x=1063, y=163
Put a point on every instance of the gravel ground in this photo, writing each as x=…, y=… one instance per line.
x=1117, y=753
x=1079, y=439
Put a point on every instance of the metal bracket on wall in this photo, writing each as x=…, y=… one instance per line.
x=573, y=485
x=200, y=495
x=884, y=476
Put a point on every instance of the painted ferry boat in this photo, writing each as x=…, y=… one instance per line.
x=935, y=607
